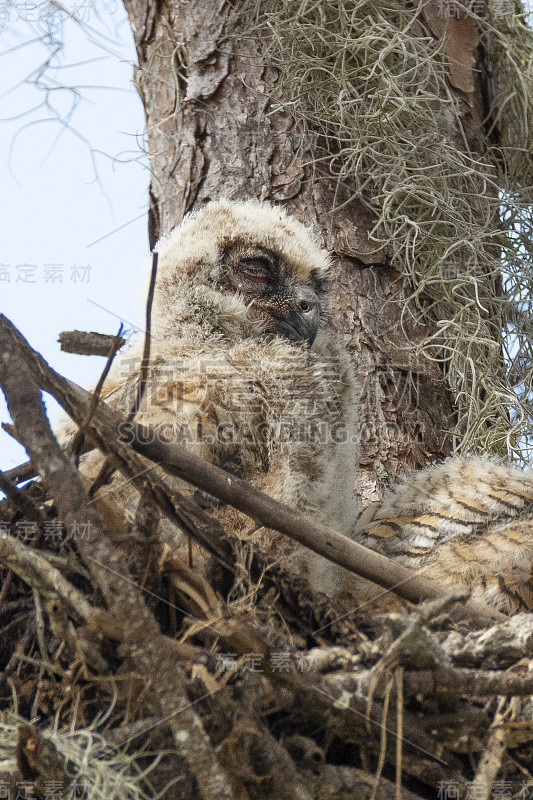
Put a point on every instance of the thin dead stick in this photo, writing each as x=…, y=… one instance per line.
x=492, y=757
x=398, y=679
x=145, y=363
x=445, y=681
x=458, y=681
x=323, y=540
x=21, y=500
x=106, y=471
x=383, y=737
x=5, y=589
x=38, y=573
x=64, y=483
x=84, y=343
x=178, y=461
x=24, y=472
x=77, y=443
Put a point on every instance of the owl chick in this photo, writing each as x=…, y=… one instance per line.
x=245, y=368
x=465, y=523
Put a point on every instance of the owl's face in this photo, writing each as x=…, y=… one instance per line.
x=285, y=304
x=242, y=266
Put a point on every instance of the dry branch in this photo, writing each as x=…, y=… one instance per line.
x=84, y=343
x=477, y=683
x=77, y=444
x=38, y=573
x=182, y=511
x=454, y=682
x=24, y=472
x=106, y=471
x=348, y=783
x=21, y=500
x=500, y=645
x=65, y=486
x=491, y=759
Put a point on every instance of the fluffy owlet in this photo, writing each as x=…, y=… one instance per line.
x=467, y=522
x=246, y=368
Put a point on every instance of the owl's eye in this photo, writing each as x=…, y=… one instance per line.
x=255, y=269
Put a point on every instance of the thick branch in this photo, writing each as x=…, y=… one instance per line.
x=479, y=683
x=452, y=681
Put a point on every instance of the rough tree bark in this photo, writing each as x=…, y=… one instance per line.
x=215, y=129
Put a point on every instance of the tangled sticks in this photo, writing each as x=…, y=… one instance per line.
x=112, y=631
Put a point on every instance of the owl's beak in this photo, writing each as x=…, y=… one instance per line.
x=300, y=323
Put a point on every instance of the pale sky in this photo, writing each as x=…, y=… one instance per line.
x=52, y=206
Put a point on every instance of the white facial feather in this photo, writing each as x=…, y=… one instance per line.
x=189, y=268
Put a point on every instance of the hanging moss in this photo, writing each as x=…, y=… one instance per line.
x=93, y=765
x=371, y=80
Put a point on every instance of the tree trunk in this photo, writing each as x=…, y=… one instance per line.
x=215, y=129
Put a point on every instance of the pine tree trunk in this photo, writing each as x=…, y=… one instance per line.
x=215, y=130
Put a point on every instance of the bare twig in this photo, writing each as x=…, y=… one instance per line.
x=38, y=573
x=6, y=583
x=383, y=740
x=500, y=645
x=449, y=681
x=145, y=363
x=21, y=500
x=477, y=683
x=335, y=781
x=24, y=472
x=89, y=344
x=491, y=759
x=106, y=471
x=77, y=443
x=65, y=485
x=398, y=679
x=40, y=627
x=19, y=650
